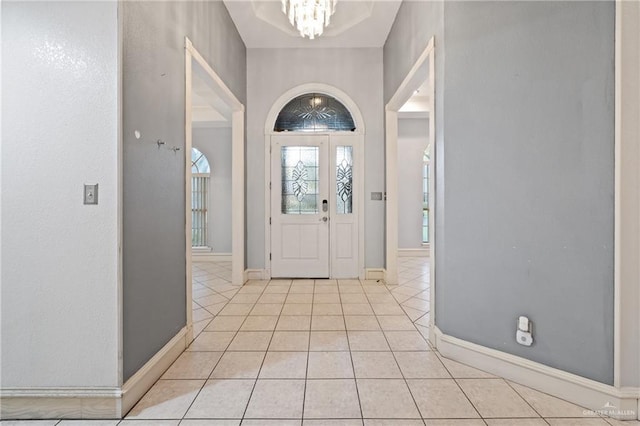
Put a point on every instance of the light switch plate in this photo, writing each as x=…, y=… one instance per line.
x=91, y=194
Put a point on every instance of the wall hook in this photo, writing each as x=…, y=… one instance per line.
x=175, y=149
x=160, y=143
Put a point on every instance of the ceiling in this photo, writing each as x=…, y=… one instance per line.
x=417, y=106
x=355, y=23
x=207, y=108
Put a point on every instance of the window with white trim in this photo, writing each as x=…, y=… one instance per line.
x=200, y=174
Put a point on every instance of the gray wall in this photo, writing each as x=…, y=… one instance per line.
x=154, y=207
x=527, y=228
x=357, y=72
x=215, y=144
x=413, y=137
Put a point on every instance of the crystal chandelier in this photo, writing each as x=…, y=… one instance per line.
x=309, y=16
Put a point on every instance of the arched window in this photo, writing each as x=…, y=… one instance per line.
x=314, y=112
x=199, y=163
x=200, y=171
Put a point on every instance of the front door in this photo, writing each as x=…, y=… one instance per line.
x=300, y=206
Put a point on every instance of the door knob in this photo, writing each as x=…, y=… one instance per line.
x=324, y=219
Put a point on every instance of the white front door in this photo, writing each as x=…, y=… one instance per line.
x=300, y=206
x=314, y=206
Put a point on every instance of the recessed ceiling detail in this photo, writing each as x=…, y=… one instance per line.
x=346, y=16
x=355, y=23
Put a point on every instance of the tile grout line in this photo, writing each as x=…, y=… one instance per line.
x=400, y=369
x=219, y=359
x=525, y=400
x=306, y=372
x=255, y=383
x=346, y=332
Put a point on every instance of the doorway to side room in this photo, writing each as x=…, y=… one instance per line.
x=214, y=183
x=410, y=122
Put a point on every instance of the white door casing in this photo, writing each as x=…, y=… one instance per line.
x=305, y=245
x=346, y=255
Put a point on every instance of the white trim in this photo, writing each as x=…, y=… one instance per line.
x=411, y=82
x=419, y=252
x=211, y=257
x=141, y=382
x=374, y=274
x=187, y=184
x=578, y=390
x=120, y=206
x=268, y=132
x=56, y=403
x=315, y=88
x=627, y=198
x=256, y=274
x=237, y=173
x=91, y=403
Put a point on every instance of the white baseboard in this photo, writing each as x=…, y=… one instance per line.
x=414, y=252
x=141, y=381
x=60, y=403
x=374, y=274
x=587, y=393
x=255, y=274
x=90, y=402
x=211, y=257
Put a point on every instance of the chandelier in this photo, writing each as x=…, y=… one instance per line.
x=309, y=17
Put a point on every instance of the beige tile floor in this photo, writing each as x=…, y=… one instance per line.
x=327, y=352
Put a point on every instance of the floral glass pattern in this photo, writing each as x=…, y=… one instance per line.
x=314, y=112
x=299, y=179
x=344, y=179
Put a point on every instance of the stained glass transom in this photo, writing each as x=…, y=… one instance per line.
x=300, y=179
x=314, y=112
x=344, y=179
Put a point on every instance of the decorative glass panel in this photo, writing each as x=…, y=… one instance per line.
x=344, y=179
x=314, y=112
x=199, y=163
x=300, y=183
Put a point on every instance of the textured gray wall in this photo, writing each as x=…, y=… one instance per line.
x=153, y=103
x=413, y=136
x=215, y=144
x=528, y=222
x=528, y=166
x=358, y=73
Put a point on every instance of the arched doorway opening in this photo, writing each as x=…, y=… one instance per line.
x=314, y=177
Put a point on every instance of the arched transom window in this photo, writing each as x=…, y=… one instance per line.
x=314, y=112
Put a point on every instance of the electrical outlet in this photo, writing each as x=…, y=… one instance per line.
x=91, y=194
x=523, y=333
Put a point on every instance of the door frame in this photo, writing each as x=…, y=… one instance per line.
x=359, y=161
x=237, y=174
x=425, y=64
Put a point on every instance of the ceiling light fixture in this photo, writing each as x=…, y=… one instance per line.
x=309, y=17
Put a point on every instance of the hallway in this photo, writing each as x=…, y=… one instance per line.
x=328, y=353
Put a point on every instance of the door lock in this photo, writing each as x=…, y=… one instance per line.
x=325, y=206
